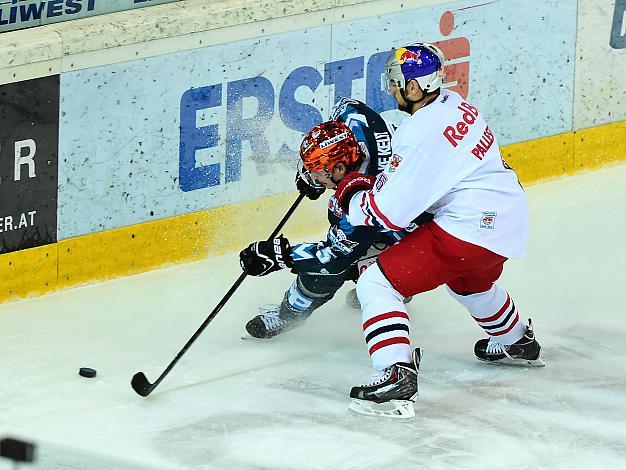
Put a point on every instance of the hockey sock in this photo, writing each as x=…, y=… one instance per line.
x=299, y=301
x=385, y=319
x=495, y=312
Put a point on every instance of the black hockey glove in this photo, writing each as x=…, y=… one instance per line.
x=264, y=257
x=308, y=187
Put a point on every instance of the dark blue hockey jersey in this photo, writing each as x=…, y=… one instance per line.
x=345, y=244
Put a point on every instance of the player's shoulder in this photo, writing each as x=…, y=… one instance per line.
x=409, y=130
x=413, y=133
x=449, y=103
x=426, y=129
x=446, y=101
x=430, y=118
x=346, y=106
x=449, y=96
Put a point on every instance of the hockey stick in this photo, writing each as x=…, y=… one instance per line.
x=140, y=383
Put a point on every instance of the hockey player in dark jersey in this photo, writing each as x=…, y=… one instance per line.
x=355, y=138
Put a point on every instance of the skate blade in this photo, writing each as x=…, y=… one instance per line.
x=396, y=409
x=517, y=362
x=248, y=337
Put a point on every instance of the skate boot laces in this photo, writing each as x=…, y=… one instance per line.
x=269, y=316
x=269, y=309
x=380, y=377
x=495, y=347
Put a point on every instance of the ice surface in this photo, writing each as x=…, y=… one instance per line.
x=282, y=404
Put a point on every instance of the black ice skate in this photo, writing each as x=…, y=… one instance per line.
x=392, y=394
x=524, y=352
x=270, y=323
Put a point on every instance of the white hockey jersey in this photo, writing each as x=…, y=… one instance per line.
x=447, y=161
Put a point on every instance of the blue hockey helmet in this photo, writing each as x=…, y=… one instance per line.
x=420, y=61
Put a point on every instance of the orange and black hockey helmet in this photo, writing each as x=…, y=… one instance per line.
x=326, y=145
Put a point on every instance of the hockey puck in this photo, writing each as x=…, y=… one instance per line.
x=87, y=372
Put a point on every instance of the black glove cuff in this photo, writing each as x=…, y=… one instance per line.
x=282, y=249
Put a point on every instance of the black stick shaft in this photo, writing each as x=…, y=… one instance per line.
x=140, y=383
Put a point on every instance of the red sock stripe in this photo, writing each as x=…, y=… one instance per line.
x=508, y=329
x=389, y=342
x=384, y=316
x=497, y=315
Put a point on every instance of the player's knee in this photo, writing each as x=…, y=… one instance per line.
x=368, y=281
x=320, y=286
x=373, y=285
x=475, y=299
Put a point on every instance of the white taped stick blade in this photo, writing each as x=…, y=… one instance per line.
x=397, y=409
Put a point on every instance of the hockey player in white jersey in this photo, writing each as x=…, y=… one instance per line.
x=446, y=161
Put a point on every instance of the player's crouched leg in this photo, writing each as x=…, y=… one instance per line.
x=306, y=294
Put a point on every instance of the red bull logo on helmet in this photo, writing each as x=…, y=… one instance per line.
x=404, y=55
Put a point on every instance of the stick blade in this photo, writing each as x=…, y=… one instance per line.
x=141, y=385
